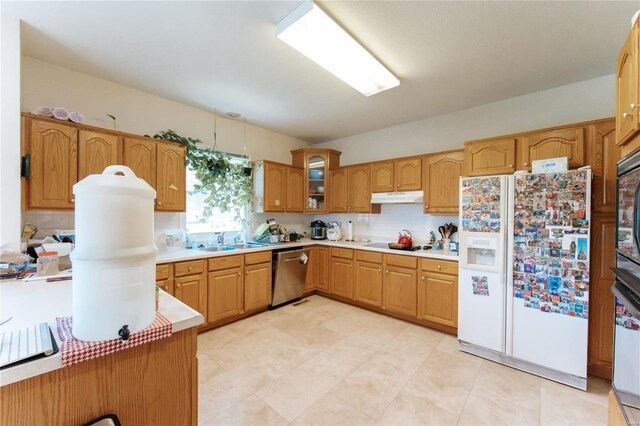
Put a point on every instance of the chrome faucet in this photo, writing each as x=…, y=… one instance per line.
x=220, y=236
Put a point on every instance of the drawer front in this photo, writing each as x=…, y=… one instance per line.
x=163, y=272
x=369, y=256
x=343, y=253
x=188, y=268
x=261, y=257
x=219, y=263
x=402, y=261
x=442, y=266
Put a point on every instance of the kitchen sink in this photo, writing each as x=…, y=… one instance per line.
x=246, y=246
x=218, y=248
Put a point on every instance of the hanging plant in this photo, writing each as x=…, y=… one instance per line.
x=227, y=185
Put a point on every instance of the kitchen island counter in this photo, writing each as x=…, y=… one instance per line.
x=160, y=376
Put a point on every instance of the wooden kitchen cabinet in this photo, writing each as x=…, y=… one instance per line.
x=311, y=280
x=270, y=185
x=316, y=164
x=490, y=157
x=323, y=269
x=225, y=294
x=404, y=174
x=601, y=303
x=97, y=151
x=341, y=271
x=190, y=290
x=53, y=149
x=339, y=194
x=400, y=290
x=257, y=286
x=627, y=88
x=567, y=142
x=438, y=298
x=359, y=188
x=382, y=176
x=368, y=278
x=441, y=182
x=164, y=277
x=171, y=177
x=295, y=189
x=139, y=154
x=603, y=156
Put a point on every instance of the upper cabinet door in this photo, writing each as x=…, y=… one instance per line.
x=627, y=121
x=96, y=151
x=171, y=176
x=382, y=177
x=603, y=156
x=54, y=165
x=339, y=195
x=359, y=189
x=494, y=157
x=442, y=182
x=295, y=189
x=408, y=174
x=275, y=187
x=556, y=143
x=140, y=156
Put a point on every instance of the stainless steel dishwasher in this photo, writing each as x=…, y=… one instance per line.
x=289, y=275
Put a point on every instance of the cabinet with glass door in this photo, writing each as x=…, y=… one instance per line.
x=316, y=164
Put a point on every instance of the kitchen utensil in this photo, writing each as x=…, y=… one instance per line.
x=441, y=231
x=318, y=230
x=405, y=238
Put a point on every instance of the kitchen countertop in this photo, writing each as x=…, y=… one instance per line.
x=35, y=302
x=194, y=254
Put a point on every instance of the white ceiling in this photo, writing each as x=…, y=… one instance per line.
x=448, y=55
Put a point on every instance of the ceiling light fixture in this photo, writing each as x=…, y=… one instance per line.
x=314, y=34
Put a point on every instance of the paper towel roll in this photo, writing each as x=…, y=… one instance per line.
x=350, y=231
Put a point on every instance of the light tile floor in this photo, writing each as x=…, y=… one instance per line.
x=327, y=363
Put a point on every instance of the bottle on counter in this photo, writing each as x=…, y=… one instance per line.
x=47, y=263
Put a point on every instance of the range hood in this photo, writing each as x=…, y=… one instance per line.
x=409, y=197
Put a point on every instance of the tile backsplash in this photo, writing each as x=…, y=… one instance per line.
x=377, y=227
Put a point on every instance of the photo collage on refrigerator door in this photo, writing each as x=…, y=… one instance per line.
x=626, y=192
x=551, y=243
x=625, y=319
x=481, y=204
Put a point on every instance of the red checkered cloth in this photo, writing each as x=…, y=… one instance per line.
x=75, y=351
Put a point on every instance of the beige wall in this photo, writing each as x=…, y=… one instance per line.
x=44, y=84
x=582, y=101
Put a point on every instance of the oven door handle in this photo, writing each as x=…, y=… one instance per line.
x=636, y=217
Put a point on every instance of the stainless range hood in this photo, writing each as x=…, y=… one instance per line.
x=409, y=197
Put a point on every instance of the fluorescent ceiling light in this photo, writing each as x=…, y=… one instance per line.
x=314, y=34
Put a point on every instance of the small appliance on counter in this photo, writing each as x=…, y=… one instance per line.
x=318, y=230
x=334, y=233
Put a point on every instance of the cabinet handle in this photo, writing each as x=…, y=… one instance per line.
x=73, y=200
x=386, y=272
x=341, y=253
x=159, y=203
x=510, y=166
x=178, y=285
x=239, y=274
x=439, y=267
x=247, y=272
x=632, y=106
x=624, y=115
x=423, y=278
x=379, y=270
x=526, y=164
x=189, y=268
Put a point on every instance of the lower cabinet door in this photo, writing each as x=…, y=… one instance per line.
x=342, y=277
x=190, y=291
x=257, y=286
x=323, y=269
x=312, y=271
x=225, y=297
x=438, y=298
x=400, y=292
x=166, y=285
x=368, y=283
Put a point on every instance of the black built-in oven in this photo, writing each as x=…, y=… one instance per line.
x=626, y=356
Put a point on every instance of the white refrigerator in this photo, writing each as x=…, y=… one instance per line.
x=524, y=272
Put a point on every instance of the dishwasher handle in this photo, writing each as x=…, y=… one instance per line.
x=302, y=259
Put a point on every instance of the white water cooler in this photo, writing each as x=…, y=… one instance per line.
x=114, y=255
